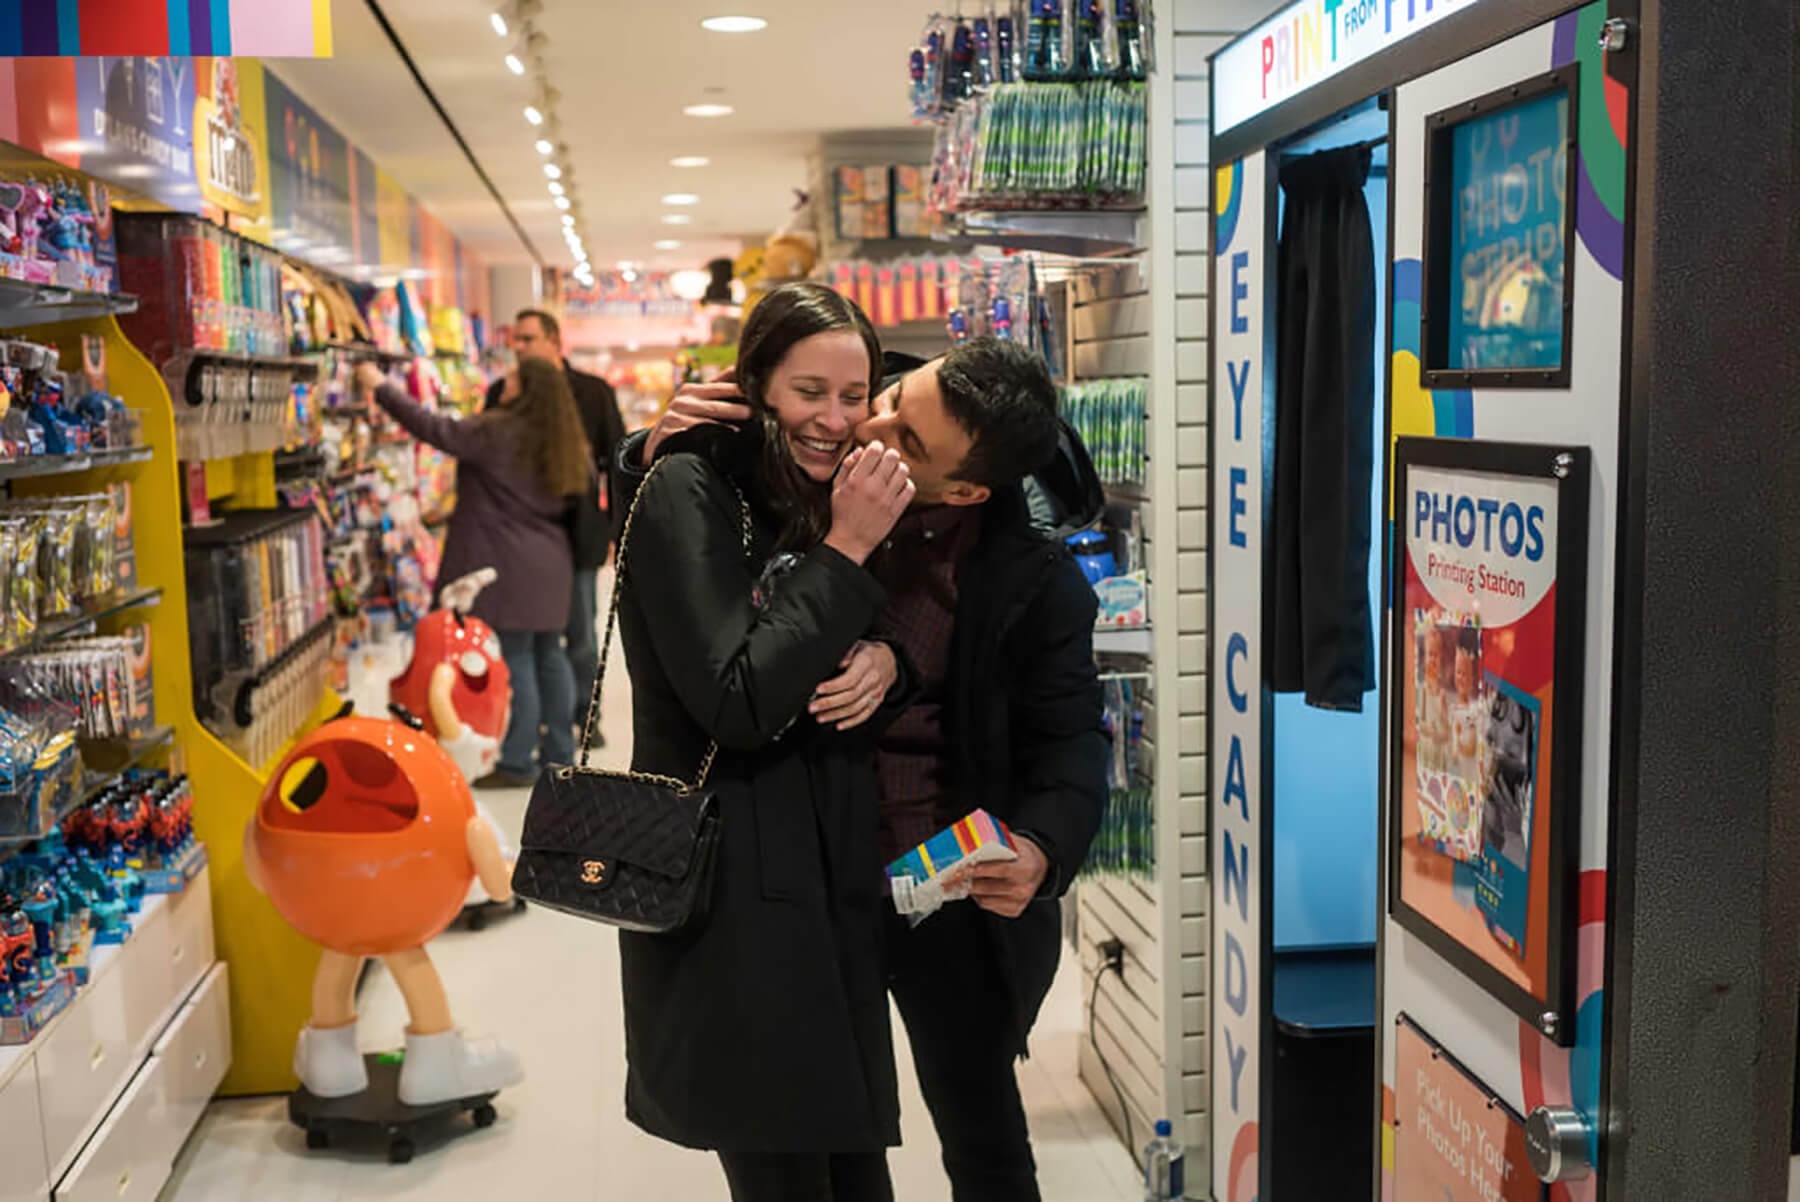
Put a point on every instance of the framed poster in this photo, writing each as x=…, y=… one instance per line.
x=1454, y=1139
x=1489, y=604
x=1500, y=187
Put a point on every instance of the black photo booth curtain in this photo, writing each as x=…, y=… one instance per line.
x=1324, y=432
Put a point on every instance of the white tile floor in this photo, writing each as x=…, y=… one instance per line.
x=549, y=986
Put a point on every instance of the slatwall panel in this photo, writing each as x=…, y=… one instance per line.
x=1201, y=27
x=1110, y=320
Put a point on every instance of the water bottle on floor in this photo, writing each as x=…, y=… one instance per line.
x=1163, y=1177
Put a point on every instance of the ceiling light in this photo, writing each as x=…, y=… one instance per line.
x=498, y=22
x=708, y=110
x=689, y=160
x=681, y=198
x=568, y=220
x=668, y=244
x=552, y=171
x=556, y=189
x=562, y=202
x=675, y=219
x=533, y=116
x=628, y=276
x=734, y=24
x=544, y=146
x=690, y=284
x=514, y=65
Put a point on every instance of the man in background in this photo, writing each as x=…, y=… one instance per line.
x=538, y=335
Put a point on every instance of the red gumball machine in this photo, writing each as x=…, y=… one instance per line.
x=366, y=839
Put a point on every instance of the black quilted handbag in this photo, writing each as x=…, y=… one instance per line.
x=630, y=849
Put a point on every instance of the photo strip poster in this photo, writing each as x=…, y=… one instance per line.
x=1476, y=646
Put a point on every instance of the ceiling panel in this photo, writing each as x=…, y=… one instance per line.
x=624, y=72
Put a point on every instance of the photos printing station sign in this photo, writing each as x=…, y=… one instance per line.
x=1308, y=43
x=1487, y=629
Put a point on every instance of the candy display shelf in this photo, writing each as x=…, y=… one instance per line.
x=85, y=620
x=63, y=465
x=123, y=754
x=1082, y=233
x=272, y=966
x=26, y=304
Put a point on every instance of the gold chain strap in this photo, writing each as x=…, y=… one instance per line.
x=612, y=617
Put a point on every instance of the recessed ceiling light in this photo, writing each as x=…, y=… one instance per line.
x=532, y=115
x=709, y=110
x=681, y=198
x=556, y=189
x=668, y=244
x=689, y=160
x=562, y=202
x=734, y=24
x=498, y=22
x=514, y=65
x=568, y=219
x=676, y=219
x=552, y=171
x=544, y=146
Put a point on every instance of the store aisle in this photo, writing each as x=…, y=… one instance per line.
x=549, y=985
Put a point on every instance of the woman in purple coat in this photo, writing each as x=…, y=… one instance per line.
x=520, y=465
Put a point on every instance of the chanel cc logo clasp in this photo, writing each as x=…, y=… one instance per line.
x=593, y=872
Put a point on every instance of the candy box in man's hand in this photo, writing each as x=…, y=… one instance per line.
x=939, y=869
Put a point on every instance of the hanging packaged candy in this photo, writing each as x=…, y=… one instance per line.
x=959, y=70
x=1046, y=55
x=1006, y=48
x=1129, y=33
x=25, y=600
x=1088, y=53
x=916, y=92
x=985, y=69
x=56, y=559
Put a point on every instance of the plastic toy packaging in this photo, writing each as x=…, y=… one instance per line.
x=938, y=870
x=1046, y=52
x=1132, y=37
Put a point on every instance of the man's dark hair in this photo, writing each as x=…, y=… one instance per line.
x=1000, y=393
x=552, y=327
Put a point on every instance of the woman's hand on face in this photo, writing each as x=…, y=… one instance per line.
x=873, y=489
x=851, y=698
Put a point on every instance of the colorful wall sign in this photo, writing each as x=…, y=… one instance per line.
x=1238, y=852
x=260, y=28
x=231, y=151
x=223, y=135
x=309, y=184
x=1308, y=43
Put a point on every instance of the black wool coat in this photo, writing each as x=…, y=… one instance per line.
x=765, y=1030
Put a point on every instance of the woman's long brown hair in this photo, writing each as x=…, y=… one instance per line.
x=553, y=448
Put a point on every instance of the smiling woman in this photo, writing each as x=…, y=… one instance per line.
x=808, y=362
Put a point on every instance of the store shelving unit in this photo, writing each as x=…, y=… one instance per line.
x=26, y=304
x=273, y=962
x=1082, y=233
x=111, y=1086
